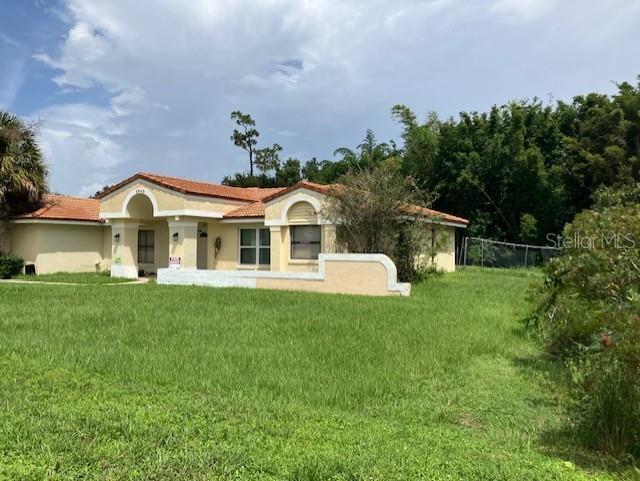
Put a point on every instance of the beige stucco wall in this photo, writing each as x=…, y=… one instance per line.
x=186, y=247
x=446, y=240
x=228, y=256
x=365, y=274
x=24, y=241
x=61, y=247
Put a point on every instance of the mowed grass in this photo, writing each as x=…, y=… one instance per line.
x=74, y=278
x=157, y=382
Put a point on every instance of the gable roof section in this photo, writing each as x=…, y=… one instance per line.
x=303, y=184
x=205, y=189
x=326, y=190
x=255, y=210
x=66, y=208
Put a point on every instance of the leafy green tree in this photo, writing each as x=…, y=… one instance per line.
x=601, y=137
x=518, y=171
x=325, y=171
x=288, y=173
x=268, y=159
x=271, y=172
x=23, y=173
x=368, y=155
x=246, y=137
x=528, y=228
x=377, y=211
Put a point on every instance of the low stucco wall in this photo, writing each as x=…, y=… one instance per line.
x=364, y=274
x=62, y=247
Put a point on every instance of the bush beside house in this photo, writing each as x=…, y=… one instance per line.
x=589, y=315
x=379, y=211
x=10, y=265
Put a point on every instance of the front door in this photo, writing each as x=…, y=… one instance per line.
x=202, y=250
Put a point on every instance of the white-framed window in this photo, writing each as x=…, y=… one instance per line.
x=146, y=247
x=305, y=241
x=255, y=247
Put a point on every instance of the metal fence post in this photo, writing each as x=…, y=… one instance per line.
x=466, y=244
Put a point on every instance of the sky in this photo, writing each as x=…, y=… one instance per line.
x=119, y=86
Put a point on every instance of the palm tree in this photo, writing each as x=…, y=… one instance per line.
x=23, y=173
x=368, y=155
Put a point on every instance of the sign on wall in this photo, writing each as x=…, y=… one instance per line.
x=175, y=262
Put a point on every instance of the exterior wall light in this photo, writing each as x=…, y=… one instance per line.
x=175, y=236
x=116, y=237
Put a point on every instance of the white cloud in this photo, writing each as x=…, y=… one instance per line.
x=81, y=144
x=523, y=9
x=172, y=72
x=13, y=76
x=9, y=40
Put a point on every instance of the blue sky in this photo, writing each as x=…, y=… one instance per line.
x=118, y=86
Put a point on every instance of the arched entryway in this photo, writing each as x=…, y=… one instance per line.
x=150, y=243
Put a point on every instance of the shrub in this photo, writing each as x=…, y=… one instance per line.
x=10, y=265
x=427, y=272
x=379, y=211
x=606, y=405
x=589, y=314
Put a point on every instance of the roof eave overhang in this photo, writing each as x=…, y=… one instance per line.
x=39, y=220
x=153, y=181
x=239, y=220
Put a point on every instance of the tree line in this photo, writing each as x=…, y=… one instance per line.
x=519, y=171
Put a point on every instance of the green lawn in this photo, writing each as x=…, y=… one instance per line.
x=163, y=383
x=75, y=278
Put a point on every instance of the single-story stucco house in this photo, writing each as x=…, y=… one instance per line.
x=149, y=222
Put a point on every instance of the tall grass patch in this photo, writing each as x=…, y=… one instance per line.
x=183, y=383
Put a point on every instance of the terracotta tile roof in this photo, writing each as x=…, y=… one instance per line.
x=415, y=209
x=64, y=207
x=252, y=210
x=194, y=187
x=257, y=209
x=303, y=184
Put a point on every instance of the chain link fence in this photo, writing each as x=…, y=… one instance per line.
x=475, y=251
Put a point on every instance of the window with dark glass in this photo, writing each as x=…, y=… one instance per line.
x=146, y=251
x=305, y=241
x=255, y=247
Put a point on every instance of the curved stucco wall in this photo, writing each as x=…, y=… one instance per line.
x=363, y=274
